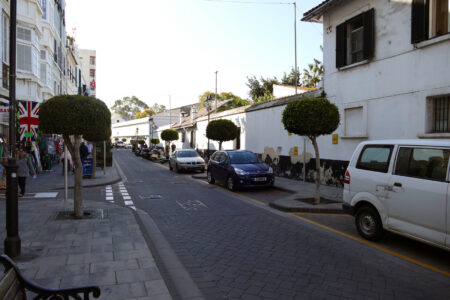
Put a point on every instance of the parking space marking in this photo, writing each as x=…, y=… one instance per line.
x=427, y=266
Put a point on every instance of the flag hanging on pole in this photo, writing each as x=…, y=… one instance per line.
x=29, y=119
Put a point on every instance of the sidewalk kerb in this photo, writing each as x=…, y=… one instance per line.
x=119, y=170
x=176, y=276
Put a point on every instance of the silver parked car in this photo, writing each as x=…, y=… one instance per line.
x=186, y=160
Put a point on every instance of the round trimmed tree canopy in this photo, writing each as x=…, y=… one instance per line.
x=76, y=115
x=311, y=117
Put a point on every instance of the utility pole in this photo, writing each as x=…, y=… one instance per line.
x=12, y=241
x=295, y=39
x=215, y=95
x=170, y=111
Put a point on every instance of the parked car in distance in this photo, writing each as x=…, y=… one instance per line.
x=239, y=169
x=128, y=146
x=186, y=159
x=400, y=186
x=119, y=144
x=138, y=151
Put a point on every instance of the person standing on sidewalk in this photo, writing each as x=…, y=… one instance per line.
x=69, y=162
x=25, y=168
x=84, y=152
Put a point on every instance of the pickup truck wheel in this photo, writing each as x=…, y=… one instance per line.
x=368, y=223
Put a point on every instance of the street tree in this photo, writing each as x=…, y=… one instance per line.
x=221, y=130
x=128, y=107
x=74, y=116
x=312, y=117
x=236, y=100
x=169, y=135
x=293, y=78
x=313, y=75
x=155, y=141
x=141, y=142
x=261, y=90
x=145, y=113
x=158, y=108
x=102, y=132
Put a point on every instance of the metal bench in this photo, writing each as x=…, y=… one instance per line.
x=13, y=286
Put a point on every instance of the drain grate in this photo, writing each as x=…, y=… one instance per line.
x=97, y=214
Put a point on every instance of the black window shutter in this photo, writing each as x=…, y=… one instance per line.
x=369, y=33
x=419, y=21
x=341, y=45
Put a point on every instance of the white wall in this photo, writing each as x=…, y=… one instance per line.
x=393, y=86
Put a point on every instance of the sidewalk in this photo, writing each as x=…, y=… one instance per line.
x=108, y=248
x=54, y=179
x=301, y=190
x=105, y=249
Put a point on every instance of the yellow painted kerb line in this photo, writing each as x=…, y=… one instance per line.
x=374, y=245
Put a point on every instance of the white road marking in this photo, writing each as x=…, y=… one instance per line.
x=126, y=198
x=45, y=195
x=128, y=203
x=109, y=198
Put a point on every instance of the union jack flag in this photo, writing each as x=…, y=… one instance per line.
x=29, y=119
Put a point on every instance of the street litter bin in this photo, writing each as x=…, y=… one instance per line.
x=87, y=167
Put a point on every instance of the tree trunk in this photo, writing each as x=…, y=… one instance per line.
x=316, y=149
x=74, y=149
x=220, y=145
x=94, y=158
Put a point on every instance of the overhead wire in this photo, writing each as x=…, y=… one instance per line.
x=250, y=2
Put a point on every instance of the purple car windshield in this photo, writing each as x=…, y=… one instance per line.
x=243, y=158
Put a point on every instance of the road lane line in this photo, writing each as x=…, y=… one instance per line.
x=427, y=266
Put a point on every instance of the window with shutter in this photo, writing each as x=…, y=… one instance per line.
x=24, y=57
x=43, y=74
x=429, y=19
x=5, y=38
x=24, y=34
x=355, y=39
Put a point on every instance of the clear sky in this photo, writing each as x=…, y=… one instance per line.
x=151, y=48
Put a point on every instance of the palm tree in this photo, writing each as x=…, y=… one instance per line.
x=313, y=74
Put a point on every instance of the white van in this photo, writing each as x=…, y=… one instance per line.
x=400, y=186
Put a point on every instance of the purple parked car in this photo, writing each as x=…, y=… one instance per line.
x=239, y=169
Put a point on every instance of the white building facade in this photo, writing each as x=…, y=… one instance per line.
x=387, y=67
x=88, y=60
x=47, y=63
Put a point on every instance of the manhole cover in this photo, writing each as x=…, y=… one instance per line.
x=98, y=214
x=150, y=196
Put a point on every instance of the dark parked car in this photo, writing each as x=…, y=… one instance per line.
x=138, y=151
x=239, y=168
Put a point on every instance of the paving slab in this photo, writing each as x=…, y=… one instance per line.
x=71, y=255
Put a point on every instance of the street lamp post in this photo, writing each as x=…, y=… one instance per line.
x=12, y=241
x=208, y=107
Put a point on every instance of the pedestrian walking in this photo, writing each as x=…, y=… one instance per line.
x=69, y=161
x=90, y=147
x=84, y=151
x=25, y=169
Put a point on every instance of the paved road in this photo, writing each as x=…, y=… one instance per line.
x=236, y=249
